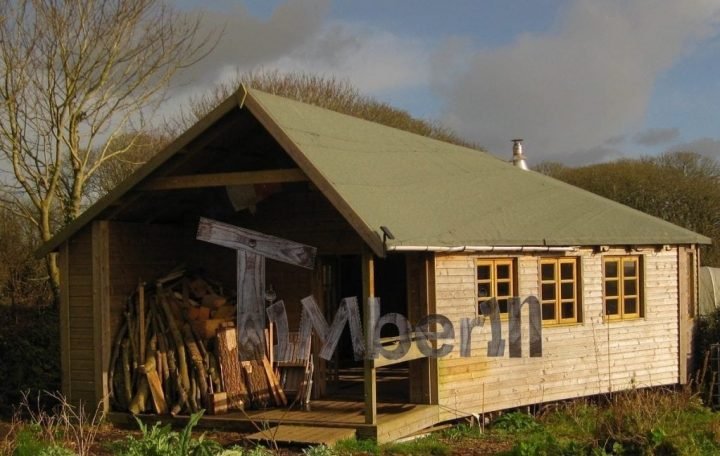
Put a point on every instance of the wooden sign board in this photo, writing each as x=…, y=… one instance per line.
x=256, y=243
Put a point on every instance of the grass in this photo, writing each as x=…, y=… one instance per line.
x=636, y=422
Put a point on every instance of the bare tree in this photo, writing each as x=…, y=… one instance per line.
x=74, y=76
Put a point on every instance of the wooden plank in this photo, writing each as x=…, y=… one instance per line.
x=302, y=435
x=686, y=287
x=275, y=388
x=273, y=176
x=254, y=242
x=65, y=315
x=101, y=310
x=250, y=305
x=369, y=372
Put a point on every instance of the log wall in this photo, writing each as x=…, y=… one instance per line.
x=581, y=359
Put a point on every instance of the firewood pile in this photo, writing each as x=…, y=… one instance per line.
x=176, y=352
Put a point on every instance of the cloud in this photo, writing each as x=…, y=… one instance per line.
x=375, y=61
x=247, y=42
x=299, y=36
x=575, y=87
x=656, y=136
x=709, y=147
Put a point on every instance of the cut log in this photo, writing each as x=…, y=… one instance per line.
x=224, y=313
x=153, y=380
x=213, y=301
x=198, y=313
x=207, y=329
x=178, y=339
x=230, y=369
x=141, y=317
x=198, y=362
x=127, y=375
x=198, y=287
x=119, y=338
x=217, y=403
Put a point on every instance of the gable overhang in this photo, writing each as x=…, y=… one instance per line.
x=151, y=173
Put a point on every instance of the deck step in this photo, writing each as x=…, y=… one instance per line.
x=315, y=435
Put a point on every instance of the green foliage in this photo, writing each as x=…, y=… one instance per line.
x=161, y=440
x=680, y=187
x=356, y=446
x=429, y=445
x=319, y=450
x=29, y=442
x=462, y=431
x=30, y=354
x=516, y=422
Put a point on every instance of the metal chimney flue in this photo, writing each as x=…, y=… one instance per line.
x=518, y=157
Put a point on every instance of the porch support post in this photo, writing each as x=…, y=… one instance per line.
x=368, y=276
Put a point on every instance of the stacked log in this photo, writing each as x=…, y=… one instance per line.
x=176, y=352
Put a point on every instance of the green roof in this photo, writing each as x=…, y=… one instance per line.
x=432, y=193
x=428, y=193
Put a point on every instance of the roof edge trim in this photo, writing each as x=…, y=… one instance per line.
x=478, y=248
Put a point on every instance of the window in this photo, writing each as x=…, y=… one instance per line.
x=622, y=280
x=559, y=290
x=496, y=279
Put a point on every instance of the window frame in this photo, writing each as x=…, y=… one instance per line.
x=621, y=279
x=493, y=281
x=557, y=281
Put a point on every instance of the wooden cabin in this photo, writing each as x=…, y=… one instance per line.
x=608, y=293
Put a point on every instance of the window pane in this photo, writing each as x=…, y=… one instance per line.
x=630, y=305
x=483, y=290
x=611, y=307
x=630, y=287
x=548, y=271
x=548, y=311
x=503, y=289
x=567, y=310
x=483, y=272
x=611, y=288
x=566, y=291
x=629, y=268
x=503, y=271
x=567, y=270
x=503, y=305
x=548, y=291
x=611, y=269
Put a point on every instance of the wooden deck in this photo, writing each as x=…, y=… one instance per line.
x=394, y=421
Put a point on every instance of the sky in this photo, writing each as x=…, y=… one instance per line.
x=581, y=81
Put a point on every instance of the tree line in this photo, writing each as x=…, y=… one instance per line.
x=680, y=187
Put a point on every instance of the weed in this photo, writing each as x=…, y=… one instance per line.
x=65, y=426
x=163, y=441
x=356, y=446
x=516, y=422
x=428, y=445
x=462, y=431
x=319, y=450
